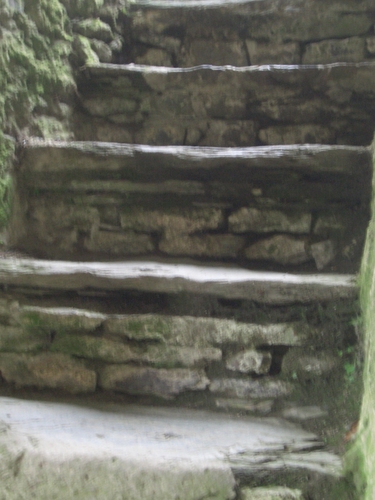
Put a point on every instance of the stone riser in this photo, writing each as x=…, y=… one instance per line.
x=222, y=106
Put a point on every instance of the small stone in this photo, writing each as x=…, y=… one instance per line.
x=113, y=243
x=83, y=51
x=102, y=50
x=94, y=28
x=370, y=45
x=150, y=381
x=323, y=253
x=304, y=412
x=161, y=134
x=15, y=339
x=266, y=221
x=301, y=134
x=59, y=319
x=47, y=370
x=271, y=493
x=213, y=52
x=271, y=53
x=331, y=224
x=333, y=51
x=104, y=107
x=155, y=57
x=262, y=407
x=172, y=356
x=222, y=133
x=280, y=249
x=223, y=246
x=297, y=363
x=250, y=361
x=246, y=388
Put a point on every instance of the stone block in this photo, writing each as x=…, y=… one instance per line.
x=215, y=246
x=102, y=50
x=114, y=243
x=15, y=339
x=222, y=133
x=323, y=253
x=154, y=57
x=270, y=493
x=273, y=53
x=281, y=249
x=175, y=221
x=104, y=107
x=301, y=134
x=305, y=366
x=333, y=51
x=326, y=225
x=250, y=361
x=268, y=221
x=222, y=105
x=161, y=134
x=246, y=388
x=47, y=370
x=262, y=407
x=370, y=45
x=153, y=382
x=304, y=413
x=173, y=356
x=217, y=53
x=94, y=28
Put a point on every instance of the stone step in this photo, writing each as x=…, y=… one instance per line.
x=240, y=32
x=155, y=454
x=310, y=203
x=226, y=105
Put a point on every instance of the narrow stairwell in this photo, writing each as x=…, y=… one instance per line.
x=187, y=271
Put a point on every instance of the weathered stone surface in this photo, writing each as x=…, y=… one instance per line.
x=15, y=339
x=262, y=407
x=268, y=221
x=323, y=253
x=229, y=282
x=281, y=249
x=370, y=45
x=246, y=388
x=172, y=222
x=59, y=319
x=250, y=361
x=304, y=412
x=47, y=370
x=161, y=133
x=301, y=134
x=171, y=356
x=151, y=381
x=269, y=53
x=155, y=57
x=205, y=332
x=94, y=28
x=326, y=225
x=271, y=493
x=83, y=52
x=306, y=366
x=115, y=243
x=229, y=133
x=114, y=106
x=334, y=51
x=213, y=52
x=102, y=50
x=216, y=246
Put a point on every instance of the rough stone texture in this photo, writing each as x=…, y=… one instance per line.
x=326, y=225
x=227, y=133
x=250, y=361
x=110, y=107
x=262, y=407
x=304, y=412
x=47, y=370
x=151, y=381
x=15, y=339
x=281, y=249
x=59, y=319
x=323, y=253
x=268, y=53
x=271, y=493
x=301, y=134
x=215, y=246
x=116, y=243
x=243, y=388
x=370, y=45
x=155, y=57
x=333, y=51
x=306, y=366
x=102, y=50
x=172, y=222
x=213, y=52
x=94, y=28
x=267, y=221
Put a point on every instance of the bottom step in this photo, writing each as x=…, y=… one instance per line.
x=64, y=451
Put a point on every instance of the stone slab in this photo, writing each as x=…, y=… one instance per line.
x=229, y=282
x=149, y=453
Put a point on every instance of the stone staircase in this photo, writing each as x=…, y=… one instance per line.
x=188, y=266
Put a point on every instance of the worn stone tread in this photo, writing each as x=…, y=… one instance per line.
x=136, y=447
x=227, y=282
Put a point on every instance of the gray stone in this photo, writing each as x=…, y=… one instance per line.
x=333, y=51
x=323, y=253
x=271, y=493
x=281, y=249
x=115, y=243
x=271, y=53
x=304, y=412
x=94, y=28
x=83, y=51
x=183, y=221
x=213, y=52
x=250, y=361
x=301, y=134
x=172, y=356
x=264, y=388
x=59, y=319
x=151, y=381
x=168, y=134
x=97, y=106
x=15, y=339
x=155, y=57
x=298, y=363
x=102, y=50
x=370, y=45
x=326, y=225
x=262, y=407
x=268, y=221
x=216, y=246
x=47, y=370
x=229, y=134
